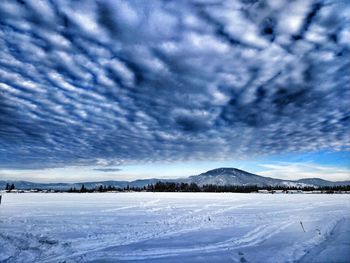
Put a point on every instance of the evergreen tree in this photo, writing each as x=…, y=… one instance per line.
x=82, y=189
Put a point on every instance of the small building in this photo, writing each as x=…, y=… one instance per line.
x=263, y=191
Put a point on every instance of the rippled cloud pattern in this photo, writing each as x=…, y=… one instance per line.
x=115, y=82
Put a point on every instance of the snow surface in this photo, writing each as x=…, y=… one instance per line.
x=174, y=227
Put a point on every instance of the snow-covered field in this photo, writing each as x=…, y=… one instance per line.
x=174, y=227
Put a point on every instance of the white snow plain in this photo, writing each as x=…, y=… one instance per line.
x=174, y=227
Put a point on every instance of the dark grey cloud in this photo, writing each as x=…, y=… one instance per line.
x=113, y=82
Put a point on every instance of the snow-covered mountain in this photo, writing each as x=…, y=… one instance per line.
x=89, y=185
x=233, y=176
x=219, y=176
x=321, y=182
x=61, y=186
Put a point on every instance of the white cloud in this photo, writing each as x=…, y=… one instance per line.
x=294, y=171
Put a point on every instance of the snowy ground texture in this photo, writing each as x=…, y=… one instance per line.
x=174, y=227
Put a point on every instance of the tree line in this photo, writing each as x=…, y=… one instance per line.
x=10, y=187
x=211, y=188
x=193, y=187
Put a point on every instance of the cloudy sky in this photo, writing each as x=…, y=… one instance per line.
x=99, y=89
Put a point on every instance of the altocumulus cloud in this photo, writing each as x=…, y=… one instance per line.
x=113, y=82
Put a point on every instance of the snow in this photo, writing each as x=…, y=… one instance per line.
x=336, y=248
x=174, y=227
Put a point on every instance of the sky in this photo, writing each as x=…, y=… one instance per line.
x=122, y=90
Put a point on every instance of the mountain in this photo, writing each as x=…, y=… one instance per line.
x=233, y=176
x=219, y=176
x=321, y=182
x=62, y=186
x=22, y=185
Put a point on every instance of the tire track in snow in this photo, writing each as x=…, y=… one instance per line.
x=254, y=237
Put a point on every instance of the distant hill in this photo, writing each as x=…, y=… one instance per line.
x=233, y=176
x=220, y=176
x=321, y=182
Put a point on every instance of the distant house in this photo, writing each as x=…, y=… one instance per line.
x=294, y=191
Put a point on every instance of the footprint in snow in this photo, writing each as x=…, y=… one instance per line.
x=242, y=259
